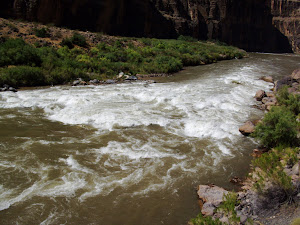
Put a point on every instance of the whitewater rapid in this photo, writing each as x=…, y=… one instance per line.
x=90, y=144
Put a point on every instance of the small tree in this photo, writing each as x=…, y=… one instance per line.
x=278, y=128
x=78, y=39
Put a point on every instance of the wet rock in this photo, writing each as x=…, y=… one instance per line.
x=109, y=81
x=211, y=196
x=260, y=95
x=79, y=81
x=121, y=74
x=76, y=82
x=12, y=89
x=267, y=79
x=247, y=129
x=95, y=81
x=131, y=78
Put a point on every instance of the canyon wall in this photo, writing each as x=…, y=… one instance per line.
x=254, y=25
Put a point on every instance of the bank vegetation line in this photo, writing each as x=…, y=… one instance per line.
x=271, y=192
x=36, y=55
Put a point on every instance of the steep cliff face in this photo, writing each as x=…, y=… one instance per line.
x=247, y=24
x=118, y=17
x=254, y=25
x=286, y=18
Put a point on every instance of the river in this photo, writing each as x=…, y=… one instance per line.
x=129, y=154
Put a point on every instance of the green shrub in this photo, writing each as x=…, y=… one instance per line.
x=67, y=42
x=22, y=76
x=165, y=64
x=42, y=33
x=271, y=170
x=78, y=39
x=186, y=38
x=278, y=128
x=208, y=220
x=17, y=52
x=227, y=207
x=290, y=101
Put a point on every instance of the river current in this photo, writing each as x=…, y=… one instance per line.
x=129, y=153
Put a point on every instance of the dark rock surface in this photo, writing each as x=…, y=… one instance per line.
x=254, y=25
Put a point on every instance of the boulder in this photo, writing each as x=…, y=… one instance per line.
x=208, y=209
x=109, y=81
x=12, y=89
x=283, y=82
x=247, y=129
x=211, y=196
x=260, y=95
x=296, y=74
x=295, y=169
x=132, y=78
x=121, y=74
x=270, y=94
x=95, y=81
x=267, y=79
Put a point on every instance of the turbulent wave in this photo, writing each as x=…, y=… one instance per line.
x=125, y=139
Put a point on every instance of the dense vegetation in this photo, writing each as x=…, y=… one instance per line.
x=22, y=64
x=279, y=130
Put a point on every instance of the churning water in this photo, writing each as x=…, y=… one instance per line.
x=128, y=153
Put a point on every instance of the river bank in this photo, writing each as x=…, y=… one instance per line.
x=270, y=193
x=32, y=54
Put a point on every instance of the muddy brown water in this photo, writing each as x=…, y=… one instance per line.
x=129, y=153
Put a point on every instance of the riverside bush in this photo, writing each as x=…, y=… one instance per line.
x=278, y=128
x=17, y=52
x=22, y=76
x=78, y=39
x=106, y=60
x=42, y=33
x=290, y=101
x=271, y=170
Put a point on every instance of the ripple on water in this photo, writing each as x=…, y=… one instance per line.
x=66, y=153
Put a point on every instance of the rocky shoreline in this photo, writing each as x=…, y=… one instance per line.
x=253, y=207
